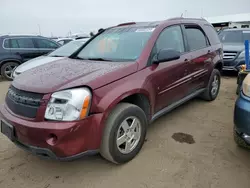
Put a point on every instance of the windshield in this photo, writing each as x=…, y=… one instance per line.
x=67, y=49
x=234, y=36
x=117, y=44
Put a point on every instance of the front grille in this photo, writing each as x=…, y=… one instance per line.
x=227, y=55
x=23, y=103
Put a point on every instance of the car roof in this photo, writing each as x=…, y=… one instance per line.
x=65, y=38
x=16, y=36
x=156, y=23
x=237, y=29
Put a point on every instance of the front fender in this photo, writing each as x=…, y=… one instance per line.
x=111, y=98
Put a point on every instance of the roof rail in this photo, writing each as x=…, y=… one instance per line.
x=176, y=18
x=127, y=23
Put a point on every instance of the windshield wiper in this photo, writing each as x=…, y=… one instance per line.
x=99, y=59
x=56, y=56
x=93, y=59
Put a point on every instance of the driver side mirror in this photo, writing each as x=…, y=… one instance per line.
x=166, y=55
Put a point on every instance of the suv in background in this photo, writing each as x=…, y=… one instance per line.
x=16, y=49
x=233, y=47
x=102, y=98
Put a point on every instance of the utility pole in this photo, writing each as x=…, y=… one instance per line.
x=185, y=13
x=39, y=28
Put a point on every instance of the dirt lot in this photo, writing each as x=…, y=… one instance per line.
x=211, y=160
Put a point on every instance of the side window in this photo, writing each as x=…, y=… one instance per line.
x=43, y=43
x=21, y=43
x=196, y=38
x=14, y=43
x=212, y=34
x=170, y=38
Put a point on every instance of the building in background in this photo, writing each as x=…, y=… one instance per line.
x=230, y=21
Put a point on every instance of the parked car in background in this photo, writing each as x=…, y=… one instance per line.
x=241, y=115
x=233, y=47
x=63, y=41
x=17, y=49
x=102, y=98
x=60, y=53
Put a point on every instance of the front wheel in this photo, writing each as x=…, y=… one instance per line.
x=124, y=133
x=7, y=70
x=213, y=86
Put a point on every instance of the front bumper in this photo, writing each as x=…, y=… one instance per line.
x=73, y=139
x=242, y=117
x=233, y=65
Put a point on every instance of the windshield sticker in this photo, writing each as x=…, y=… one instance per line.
x=145, y=30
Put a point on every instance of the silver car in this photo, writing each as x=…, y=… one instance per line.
x=60, y=53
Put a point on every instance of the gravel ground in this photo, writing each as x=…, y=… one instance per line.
x=210, y=159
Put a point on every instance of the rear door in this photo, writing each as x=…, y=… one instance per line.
x=23, y=47
x=170, y=78
x=45, y=45
x=201, y=54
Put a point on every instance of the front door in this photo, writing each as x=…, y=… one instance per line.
x=170, y=78
x=45, y=46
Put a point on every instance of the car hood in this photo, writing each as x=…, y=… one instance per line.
x=41, y=60
x=233, y=47
x=70, y=73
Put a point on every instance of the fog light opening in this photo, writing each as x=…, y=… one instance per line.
x=52, y=139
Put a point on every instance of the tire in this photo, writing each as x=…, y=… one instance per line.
x=238, y=90
x=240, y=142
x=109, y=147
x=208, y=94
x=11, y=66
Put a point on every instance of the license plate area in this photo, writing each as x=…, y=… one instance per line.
x=7, y=130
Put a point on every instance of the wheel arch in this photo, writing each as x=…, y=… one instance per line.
x=218, y=65
x=9, y=60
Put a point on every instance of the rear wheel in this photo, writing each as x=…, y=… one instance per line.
x=124, y=134
x=7, y=70
x=213, y=86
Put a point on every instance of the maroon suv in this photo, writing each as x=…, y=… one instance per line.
x=102, y=98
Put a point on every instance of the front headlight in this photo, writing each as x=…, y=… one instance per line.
x=246, y=86
x=69, y=105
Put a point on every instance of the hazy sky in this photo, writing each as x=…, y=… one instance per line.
x=61, y=16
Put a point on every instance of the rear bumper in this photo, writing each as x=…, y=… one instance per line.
x=242, y=115
x=73, y=139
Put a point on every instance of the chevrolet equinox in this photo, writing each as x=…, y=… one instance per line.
x=103, y=97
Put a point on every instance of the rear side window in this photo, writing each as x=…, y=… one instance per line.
x=19, y=43
x=212, y=34
x=43, y=43
x=196, y=38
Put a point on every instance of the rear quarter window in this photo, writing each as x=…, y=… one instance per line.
x=6, y=43
x=211, y=34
